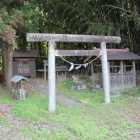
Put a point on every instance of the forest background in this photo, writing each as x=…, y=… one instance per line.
x=88, y=17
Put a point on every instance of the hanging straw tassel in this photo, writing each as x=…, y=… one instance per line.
x=72, y=66
x=78, y=67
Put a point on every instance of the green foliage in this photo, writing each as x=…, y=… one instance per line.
x=10, y=19
x=113, y=18
x=17, y=18
x=117, y=18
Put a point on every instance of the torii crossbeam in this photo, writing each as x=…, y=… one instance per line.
x=52, y=38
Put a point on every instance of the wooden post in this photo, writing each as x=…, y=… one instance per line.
x=92, y=70
x=134, y=71
x=122, y=74
x=124, y=66
x=108, y=62
x=20, y=94
x=22, y=89
x=44, y=73
x=105, y=74
x=51, y=76
x=45, y=64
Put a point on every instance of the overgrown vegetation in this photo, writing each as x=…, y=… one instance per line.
x=93, y=120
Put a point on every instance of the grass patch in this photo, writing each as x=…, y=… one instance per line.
x=5, y=96
x=93, y=120
x=56, y=134
x=32, y=108
x=4, y=121
x=85, y=96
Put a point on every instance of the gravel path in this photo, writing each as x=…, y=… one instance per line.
x=59, y=97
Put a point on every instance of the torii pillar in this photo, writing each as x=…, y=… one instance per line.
x=52, y=38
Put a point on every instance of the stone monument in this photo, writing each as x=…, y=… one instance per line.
x=77, y=84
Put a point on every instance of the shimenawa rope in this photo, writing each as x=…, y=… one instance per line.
x=79, y=65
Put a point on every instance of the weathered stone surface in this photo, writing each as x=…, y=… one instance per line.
x=77, y=84
x=61, y=78
x=19, y=95
x=97, y=89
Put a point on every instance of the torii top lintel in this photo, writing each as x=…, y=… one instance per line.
x=42, y=37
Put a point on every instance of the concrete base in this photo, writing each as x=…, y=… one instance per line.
x=80, y=86
x=19, y=95
x=106, y=103
x=97, y=89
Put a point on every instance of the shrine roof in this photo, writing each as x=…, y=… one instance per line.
x=17, y=78
x=113, y=55
x=26, y=53
x=118, y=54
x=61, y=68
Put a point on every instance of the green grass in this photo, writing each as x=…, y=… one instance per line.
x=32, y=108
x=5, y=96
x=93, y=120
x=43, y=134
x=3, y=121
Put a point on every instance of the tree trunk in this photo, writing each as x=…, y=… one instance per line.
x=3, y=65
x=7, y=66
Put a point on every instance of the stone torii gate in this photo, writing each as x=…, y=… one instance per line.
x=52, y=38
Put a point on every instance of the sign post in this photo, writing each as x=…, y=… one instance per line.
x=45, y=64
